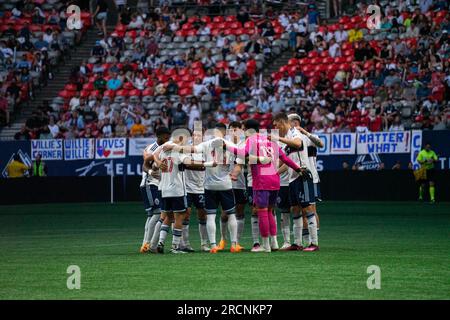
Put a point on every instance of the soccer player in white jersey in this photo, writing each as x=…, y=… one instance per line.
x=149, y=187
x=237, y=136
x=295, y=122
x=195, y=180
x=290, y=141
x=173, y=190
x=218, y=185
x=302, y=194
x=301, y=187
x=283, y=201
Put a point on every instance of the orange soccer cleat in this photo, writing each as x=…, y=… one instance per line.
x=214, y=249
x=145, y=248
x=222, y=245
x=235, y=248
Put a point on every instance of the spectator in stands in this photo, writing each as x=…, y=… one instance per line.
x=101, y=15
x=172, y=88
x=179, y=117
x=313, y=17
x=23, y=134
x=120, y=128
x=16, y=168
x=114, y=83
x=98, y=51
x=53, y=127
x=392, y=79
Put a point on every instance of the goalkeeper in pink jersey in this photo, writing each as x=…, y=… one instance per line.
x=263, y=155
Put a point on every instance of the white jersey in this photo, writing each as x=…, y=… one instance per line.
x=172, y=179
x=303, y=153
x=240, y=183
x=313, y=165
x=194, y=179
x=284, y=177
x=216, y=178
x=292, y=134
x=146, y=177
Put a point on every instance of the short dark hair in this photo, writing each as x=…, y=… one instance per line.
x=220, y=125
x=235, y=124
x=281, y=117
x=252, y=124
x=162, y=130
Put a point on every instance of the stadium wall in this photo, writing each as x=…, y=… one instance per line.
x=388, y=185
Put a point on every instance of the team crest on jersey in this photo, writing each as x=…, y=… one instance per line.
x=157, y=201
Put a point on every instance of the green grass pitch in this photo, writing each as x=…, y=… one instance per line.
x=408, y=241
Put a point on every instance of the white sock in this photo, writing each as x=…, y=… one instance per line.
x=211, y=228
x=151, y=226
x=163, y=233
x=266, y=243
x=223, y=230
x=240, y=228
x=286, y=227
x=306, y=237
x=176, y=239
x=312, y=227
x=146, y=231
x=185, y=236
x=274, y=242
x=232, y=227
x=255, y=229
x=298, y=225
x=203, y=233
x=155, y=236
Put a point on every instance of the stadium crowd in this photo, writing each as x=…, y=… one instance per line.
x=34, y=39
x=161, y=68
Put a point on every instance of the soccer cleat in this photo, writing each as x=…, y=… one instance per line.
x=311, y=247
x=160, y=248
x=274, y=245
x=145, y=248
x=177, y=251
x=268, y=250
x=152, y=250
x=213, y=250
x=285, y=246
x=432, y=201
x=257, y=248
x=293, y=247
x=205, y=248
x=188, y=249
x=235, y=248
x=222, y=245
x=241, y=248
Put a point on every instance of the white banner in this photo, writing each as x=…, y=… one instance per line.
x=136, y=146
x=416, y=146
x=48, y=149
x=343, y=143
x=112, y=148
x=325, y=151
x=384, y=142
x=79, y=149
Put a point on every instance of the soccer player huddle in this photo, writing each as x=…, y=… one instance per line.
x=206, y=170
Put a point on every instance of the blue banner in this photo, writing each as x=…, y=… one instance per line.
x=85, y=163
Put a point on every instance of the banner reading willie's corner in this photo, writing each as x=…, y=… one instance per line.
x=91, y=157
